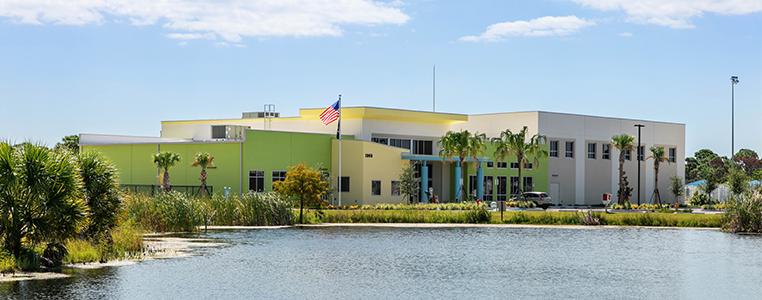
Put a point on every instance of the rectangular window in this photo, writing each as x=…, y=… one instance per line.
x=344, y=184
x=384, y=141
x=641, y=153
x=514, y=165
x=395, y=188
x=528, y=184
x=502, y=165
x=528, y=166
x=472, y=186
x=423, y=147
x=219, y=131
x=514, y=185
x=569, y=149
x=592, y=150
x=278, y=176
x=502, y=187
x=490, y=164
x=672, y=154
x=553, y=148
x=375, y=187
x=257, y=181
x=400, y=143
x=488, y=188
x=628, y=155
x=606, y=153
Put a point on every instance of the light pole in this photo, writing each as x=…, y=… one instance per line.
x=637, y=158
x=733, y=82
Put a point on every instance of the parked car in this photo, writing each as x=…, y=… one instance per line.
x=540, y=199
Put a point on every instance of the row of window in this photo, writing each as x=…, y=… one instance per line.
x=422, y=147
x=592, y=151
x=504, y=165
x=257, y=179
x=502, y=186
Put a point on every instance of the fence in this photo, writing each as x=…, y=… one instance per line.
x=152, y=189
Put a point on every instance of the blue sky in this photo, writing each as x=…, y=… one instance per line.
x=123, y=66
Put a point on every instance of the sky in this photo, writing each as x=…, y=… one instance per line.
x=120, y=67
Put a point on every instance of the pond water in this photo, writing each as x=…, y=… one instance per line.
x=431, y=263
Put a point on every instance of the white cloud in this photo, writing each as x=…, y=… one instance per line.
x=229, y=20
x=673, y=13
x=544, y=26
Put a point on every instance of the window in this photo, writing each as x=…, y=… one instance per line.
x=502, y=186
x=219, y=131
x=528, y=166
x=628, y=155
x=395, y=188
x=278, y=176
x=490, y=164
x=423, y=147
x=472, y=186
x=488, y=188
x=375, y=187
x=514, y=165
x=672, y=154
x=641, y=153
x=257, y=181
x=569, y=149
x=344, y=184
x=514, y=185
x=502, y=165
x=400, y=143
x=384, y=141
x=528, y=184
x=592, y=150
x=553, y=148
x=606, y=153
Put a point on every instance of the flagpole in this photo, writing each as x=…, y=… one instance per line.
x=338, y=136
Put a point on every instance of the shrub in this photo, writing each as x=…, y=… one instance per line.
x=478, y=215
x=744, y=214
x=7, y=262
x=101, y=191
x=587, y=218
x=699, y=199
x=127, y=241
x=81, y=251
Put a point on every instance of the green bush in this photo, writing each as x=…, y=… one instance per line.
x=81, y=251
x=126, y=241
x=7, y=262
x=478, y=215
x=744, y=214
x=699, y=199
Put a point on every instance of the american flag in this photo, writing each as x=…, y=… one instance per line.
x=330, y=114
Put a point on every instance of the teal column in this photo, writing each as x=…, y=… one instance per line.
x=479, y=181
x=424, y=182
x=458, y=179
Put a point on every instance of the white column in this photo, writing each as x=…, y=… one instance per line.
x=580, y=154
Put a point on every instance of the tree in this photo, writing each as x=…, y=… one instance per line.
x=691, y=169
x=456, y=144
x=101, y=190
x=203, y=160
x=164, y=161
x=40, y=196
x=624, y=143
x=69, y=142
x=738, y=181
x=409, y=184
x=516, y=144
x=749, y=161
x=304, y=183
x=477, y=145
x=659, y=156
x=676, y=187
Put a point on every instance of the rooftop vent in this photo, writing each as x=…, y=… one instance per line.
x=260, y=114
x=228, y=132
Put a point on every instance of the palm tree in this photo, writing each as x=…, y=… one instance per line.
x=658, y=155
x=203, y=160
x=624, y=143
x=100, y=180
x=477, y=144
x=164, y=161
x=456, y=144
x=516, y=144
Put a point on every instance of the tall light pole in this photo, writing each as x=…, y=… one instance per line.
x=637, y=157
x=733, y=82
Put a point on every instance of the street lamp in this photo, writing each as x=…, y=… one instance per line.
x=638, y=158
x=733, y=82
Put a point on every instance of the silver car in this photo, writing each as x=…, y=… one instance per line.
x=540, y=199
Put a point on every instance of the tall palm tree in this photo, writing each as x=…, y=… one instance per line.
x=516, y=144
x=164, y=161
x=658, y=155
x=477, y=145
x=624, y=143
x=203, y=160
x=456, y=144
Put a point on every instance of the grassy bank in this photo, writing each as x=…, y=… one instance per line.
x=523, y=217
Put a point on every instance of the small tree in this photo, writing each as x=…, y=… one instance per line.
x=164, y=161
x=304, y=183
x=101, y=190
x=409, y=184
x=69, y=142
x=203, y=160
x=677, y=189
x=738, y=181
x=659, y=156
x=624, y=143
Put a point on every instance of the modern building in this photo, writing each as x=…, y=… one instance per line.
x=254, y=151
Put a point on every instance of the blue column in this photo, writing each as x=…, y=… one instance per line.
x=457, y=180
x=424, y=182
x=479, y=181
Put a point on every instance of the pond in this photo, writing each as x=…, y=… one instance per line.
x=431, y=263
